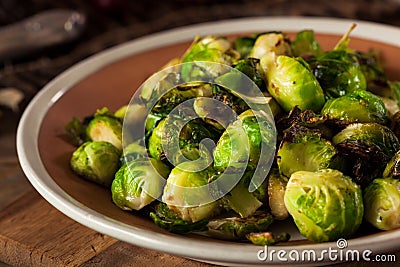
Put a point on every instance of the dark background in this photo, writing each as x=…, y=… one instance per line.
x=110, y=22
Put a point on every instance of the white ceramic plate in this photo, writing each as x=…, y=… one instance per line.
x=116, y=73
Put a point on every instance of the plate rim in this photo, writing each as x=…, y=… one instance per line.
x=31, y=120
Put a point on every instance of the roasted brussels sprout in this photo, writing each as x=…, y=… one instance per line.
x=138, y=183
x=105, y=128
x=238, y=228
x=276, y=191
x=187, y=192
x=275, y=42
x=325, y=205
x=338, y=72
x=303, y=149
x=96, y=161
x=291, y=82
x=267, y=238
x=382, y=203
x=357, y=106
x=234, y=150
x=170, y=221
x=305, y=45
x=367, y=148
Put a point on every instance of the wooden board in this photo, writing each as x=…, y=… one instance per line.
x=33, y=233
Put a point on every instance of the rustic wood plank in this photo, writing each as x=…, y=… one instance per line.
x=33, y=233
x=123, y=254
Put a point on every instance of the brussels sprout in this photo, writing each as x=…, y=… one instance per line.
x=276, y=191
x=305, y=45
x=291, y=82
x=170, y=221
x=232, y=150
x=267, y=238
x=382, y=203
x=357, y=106
x=338, y=72
x=96, y=161
x=367, y=148
x=303, y=149
x=105, y=128
x=275, y=42
x=138, y=183
x=392, y=168
x=325, y=205
x=238, y=228
x=207, y=49
x=187, y=192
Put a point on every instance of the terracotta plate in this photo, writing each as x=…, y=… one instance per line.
x=110, y=79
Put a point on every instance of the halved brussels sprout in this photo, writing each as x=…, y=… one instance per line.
x=303, y=149
x=187, y=192
x=96, y=161
x=291, y=82
x=232, y=150
x=382, y=203
x=275, y=42
x=138, y=183
x=367, y=148
x=357, y=106
x=105, y=128
x=325, y=205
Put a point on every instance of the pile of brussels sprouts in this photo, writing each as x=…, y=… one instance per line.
x=336, y=161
